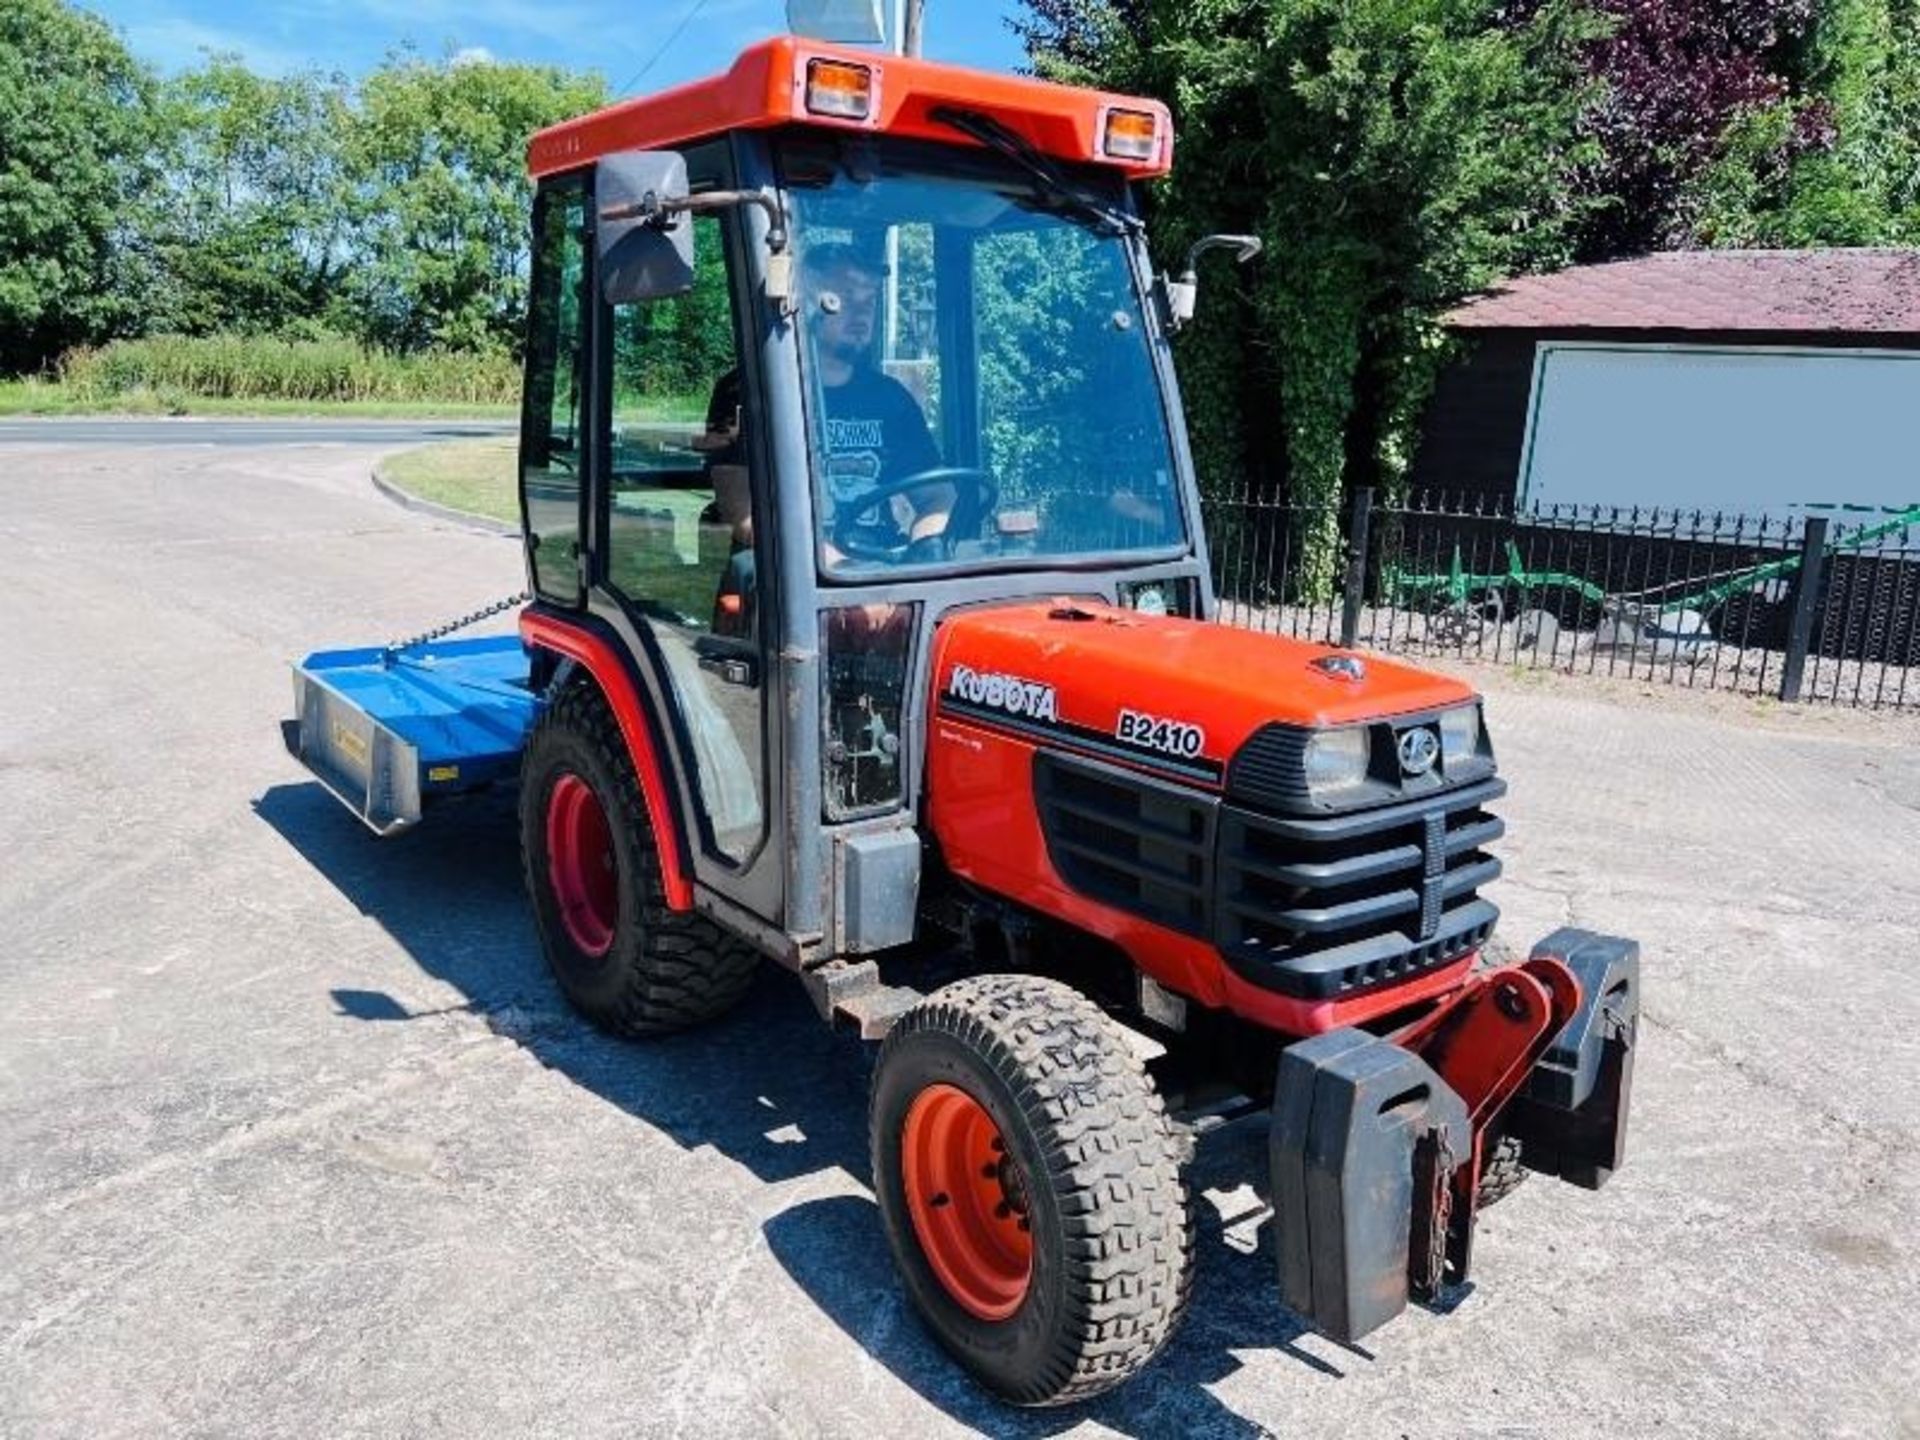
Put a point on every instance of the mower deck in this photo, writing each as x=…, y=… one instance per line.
x=386, y=732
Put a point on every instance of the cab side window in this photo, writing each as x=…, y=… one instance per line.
x=681, y=524
x=552, y=421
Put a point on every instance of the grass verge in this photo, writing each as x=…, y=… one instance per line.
x=473, y=476
x=51, y=397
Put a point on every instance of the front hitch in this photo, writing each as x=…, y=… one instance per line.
x=1377, y=1142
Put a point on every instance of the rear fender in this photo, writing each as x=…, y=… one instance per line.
x=594, y=654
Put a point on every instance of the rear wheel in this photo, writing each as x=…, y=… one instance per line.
x=623, y=959
x=1029, y=1185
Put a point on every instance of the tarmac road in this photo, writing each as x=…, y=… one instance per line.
x=194, y=430
x=296, y=1138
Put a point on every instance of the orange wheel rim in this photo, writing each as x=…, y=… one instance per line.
x=967, y=1196
x=580, y=866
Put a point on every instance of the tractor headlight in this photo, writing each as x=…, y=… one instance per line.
x=1159, y=597
x=1148, y=599
x=1337, y=761
x=1459, y=735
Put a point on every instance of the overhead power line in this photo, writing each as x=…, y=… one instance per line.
x=665, y=45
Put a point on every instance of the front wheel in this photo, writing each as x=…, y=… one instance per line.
x=1029, y=1185
x=1501, y=1172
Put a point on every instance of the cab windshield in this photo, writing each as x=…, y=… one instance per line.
x=980, y=387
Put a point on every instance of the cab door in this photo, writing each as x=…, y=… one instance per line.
x=683, y=494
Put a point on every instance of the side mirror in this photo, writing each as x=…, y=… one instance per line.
x=1182, y=294
x=644, y=236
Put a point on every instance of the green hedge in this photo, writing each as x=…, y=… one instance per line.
x=257, y=368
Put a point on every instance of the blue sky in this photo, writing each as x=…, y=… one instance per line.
x=620, y=38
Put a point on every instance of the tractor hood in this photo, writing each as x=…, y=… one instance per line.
x=1176, y=694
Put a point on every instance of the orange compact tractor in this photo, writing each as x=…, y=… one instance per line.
x=871, y=635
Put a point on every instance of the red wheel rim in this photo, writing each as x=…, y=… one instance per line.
x=968, y=1199
x=580, y=865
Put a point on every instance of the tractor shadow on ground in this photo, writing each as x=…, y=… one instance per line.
x=835, y=1250
x=779, y=1093
x=769, y=1086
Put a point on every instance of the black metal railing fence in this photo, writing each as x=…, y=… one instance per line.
x=1821, y=607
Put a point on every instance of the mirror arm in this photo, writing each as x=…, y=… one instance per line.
x=651, y=209
x=1183, y=293
x=655, y=211
x=1244, y=248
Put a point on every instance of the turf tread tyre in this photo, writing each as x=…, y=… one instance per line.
x=1501, y=1172
x=668, y=969
x=1112, y=1203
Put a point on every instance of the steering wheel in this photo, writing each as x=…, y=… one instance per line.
x=975, y=493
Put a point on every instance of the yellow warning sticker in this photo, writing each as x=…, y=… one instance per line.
x=349, y=742
x=443, y=772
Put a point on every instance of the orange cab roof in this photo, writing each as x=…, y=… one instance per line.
x=767, y=87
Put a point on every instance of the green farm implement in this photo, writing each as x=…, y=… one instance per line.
x=1461, y=604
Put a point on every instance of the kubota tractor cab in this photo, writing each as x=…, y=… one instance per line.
x=872, y=634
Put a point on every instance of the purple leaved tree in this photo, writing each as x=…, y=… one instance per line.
x=1676, y=74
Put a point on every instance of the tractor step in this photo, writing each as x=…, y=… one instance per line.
x=387, y=732
x=851, y=993
x=873, y=1012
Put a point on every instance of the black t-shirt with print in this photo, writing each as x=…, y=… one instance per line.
x=875, y=435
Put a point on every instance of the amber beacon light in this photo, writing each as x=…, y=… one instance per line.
x=1130, y=135
x=838, y=89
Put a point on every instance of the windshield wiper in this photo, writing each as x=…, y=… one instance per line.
x=1017, y=148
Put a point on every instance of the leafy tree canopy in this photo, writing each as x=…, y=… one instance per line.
x=248, y=228
x=393, y=211
x=1838, y=162
x=1398, y=155
x=77, y=120
x=1393, y=154
x=436, y=158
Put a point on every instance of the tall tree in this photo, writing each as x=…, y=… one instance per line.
x=1394, y=155
x=249, y=232
x=1860, y=184
x=437, y=159
x=74, y=126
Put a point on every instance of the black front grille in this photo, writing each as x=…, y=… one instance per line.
x=1320, y=907
x=1140, y=845
x=1316, y=907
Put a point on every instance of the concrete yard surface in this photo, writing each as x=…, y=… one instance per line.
x=297, y=1137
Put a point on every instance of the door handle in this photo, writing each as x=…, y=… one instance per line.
x=732, y=669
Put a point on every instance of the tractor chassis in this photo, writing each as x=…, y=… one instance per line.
x=1377, y=1142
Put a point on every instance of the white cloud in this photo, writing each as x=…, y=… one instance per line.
x=471, y=55
x=174, y=43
